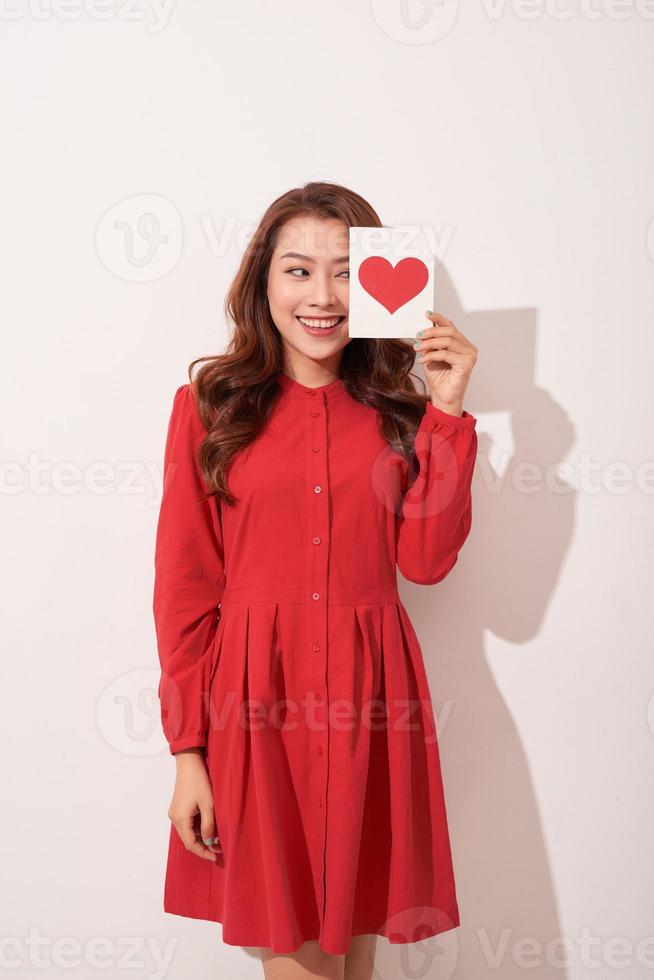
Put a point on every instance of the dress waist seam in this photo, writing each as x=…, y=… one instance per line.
x=334, y=597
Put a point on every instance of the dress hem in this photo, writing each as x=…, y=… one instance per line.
x=332, y=949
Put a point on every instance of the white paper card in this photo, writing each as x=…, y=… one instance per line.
x=391, y=283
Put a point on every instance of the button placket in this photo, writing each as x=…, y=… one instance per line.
x=317, y=542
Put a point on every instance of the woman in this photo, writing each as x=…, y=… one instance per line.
x=301, y=467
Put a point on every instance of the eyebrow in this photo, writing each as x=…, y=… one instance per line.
x=307, y=258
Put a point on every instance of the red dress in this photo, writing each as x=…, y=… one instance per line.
x=287, y=653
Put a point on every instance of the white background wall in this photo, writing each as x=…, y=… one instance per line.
x=522, y=136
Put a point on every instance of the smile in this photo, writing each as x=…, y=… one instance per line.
x=320, y=323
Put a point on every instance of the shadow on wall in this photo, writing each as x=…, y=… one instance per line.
x=502, y=583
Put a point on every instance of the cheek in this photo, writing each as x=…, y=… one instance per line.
x=284, y=295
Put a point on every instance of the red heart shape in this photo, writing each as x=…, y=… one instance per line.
x=393, y=286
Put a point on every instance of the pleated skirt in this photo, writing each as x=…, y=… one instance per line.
x=326, y=780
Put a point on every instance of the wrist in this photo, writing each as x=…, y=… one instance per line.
x=189, y=756
x=451, y=408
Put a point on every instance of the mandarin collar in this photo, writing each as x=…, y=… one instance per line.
x=331, y=390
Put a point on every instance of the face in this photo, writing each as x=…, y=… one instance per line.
x=308, y=290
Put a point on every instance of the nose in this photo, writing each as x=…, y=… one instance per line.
x=323, y=293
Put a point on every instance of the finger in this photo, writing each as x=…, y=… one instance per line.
x=442, y=343
x=439, y=319
x=439, y=331
x=202, y=852
x=208, y=830
x=443, y=333
x=450, y=357
x=186, y=831
x=443, y=327
x=215, y=846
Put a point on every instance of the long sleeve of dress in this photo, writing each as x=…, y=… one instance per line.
x=189, y=580
x=436, y=510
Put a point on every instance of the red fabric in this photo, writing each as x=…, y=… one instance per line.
x=327, y=789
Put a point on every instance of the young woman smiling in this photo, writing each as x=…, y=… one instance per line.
x=301, y=469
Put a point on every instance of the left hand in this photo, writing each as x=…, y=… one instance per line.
x=449, y=358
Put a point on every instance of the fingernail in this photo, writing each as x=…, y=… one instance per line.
x=208, y=841
x=430, y=312
x=419, y=333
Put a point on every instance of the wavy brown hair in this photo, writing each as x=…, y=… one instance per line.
x=235, y=392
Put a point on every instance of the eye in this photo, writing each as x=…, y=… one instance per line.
x=345, y=272
x=291, y=271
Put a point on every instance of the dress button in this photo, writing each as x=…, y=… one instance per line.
x=320, y=750
x=316, y=646
x=317, y=489
x=316, y=595
x=315, y=449
x=316, y=540
x=314, y=414
x=312, y=393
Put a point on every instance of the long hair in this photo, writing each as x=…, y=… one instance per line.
x=235, y=392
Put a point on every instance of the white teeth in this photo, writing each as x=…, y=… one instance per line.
x=319, y=324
